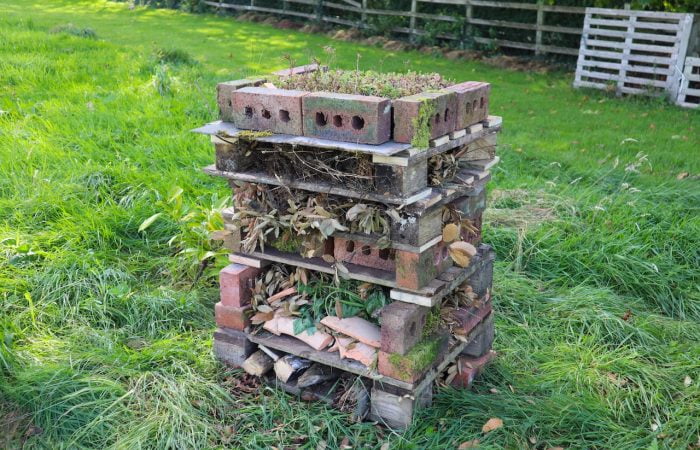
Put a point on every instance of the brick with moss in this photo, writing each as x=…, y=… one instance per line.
x=411, y=366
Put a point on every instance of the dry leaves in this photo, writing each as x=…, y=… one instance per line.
x=474, y=443
x=450, y=233
x=493, y=423
x=461, y=252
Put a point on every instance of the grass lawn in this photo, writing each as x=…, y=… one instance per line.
x=105, y=331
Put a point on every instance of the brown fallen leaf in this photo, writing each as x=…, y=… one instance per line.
x=682, y=175
x=626, y=316
x=450, y=233
x=474, y=443
x=493, y=423
x=461, y=252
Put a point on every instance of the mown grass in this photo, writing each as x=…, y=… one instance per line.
x=105, y=330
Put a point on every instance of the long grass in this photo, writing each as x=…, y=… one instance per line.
x=105, y=330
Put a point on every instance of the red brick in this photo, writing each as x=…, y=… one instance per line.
x=472, y=102
x=406, y=111
x=404, y=366
x=386, y=368
x=482, y=339
x=469, y=318
x=402, y=326
x=232, y=317
x=416, y=270
x=347, y=117
x=224, y=95
x=235, y=283
x=276, y=110
x=362, y=254
x=469, y=368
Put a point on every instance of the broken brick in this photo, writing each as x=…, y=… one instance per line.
x=469, y=368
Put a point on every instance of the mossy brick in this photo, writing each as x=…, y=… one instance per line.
x=482, y=340
x=472, y=102
x=402, y=326
x=232, y=347
x=235, y=283
x=363, y=119
x=264, y=109
x=224, y=95
x=469, y=368
x=364, y=254
x=442, y=104
x=236, y=318
x=412, y=366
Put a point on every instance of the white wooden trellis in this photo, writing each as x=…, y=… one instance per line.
x=633, y=52
x=689, y=94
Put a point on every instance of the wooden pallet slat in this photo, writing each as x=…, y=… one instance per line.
x=625, y=47
x=689, y=91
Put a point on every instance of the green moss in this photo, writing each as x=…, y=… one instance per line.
x=432, y=322
x=287, y=243
x=420, y=356
x=250, y=134
x=421, y=124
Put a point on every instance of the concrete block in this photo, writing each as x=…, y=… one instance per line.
x=236, y=318
x=363, y=254
x=443, y=105
x=402, y=326
x=263, y=109
x=472, y=102
x=224, y=95
x=346, y=117
x=235, y=283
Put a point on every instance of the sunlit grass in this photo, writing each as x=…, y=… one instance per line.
x=105, y=330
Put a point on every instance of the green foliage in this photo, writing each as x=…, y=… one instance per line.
x=161, y=80
x=172, y=56
x=71, y=29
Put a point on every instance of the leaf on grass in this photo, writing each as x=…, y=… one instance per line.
x=461, y=252
x=148, y=222
x=682, y=175
x=493, y=423
x=450, y=233
x=474, y=443
x=687, y=381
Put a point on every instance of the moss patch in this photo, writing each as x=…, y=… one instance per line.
x=420, y=356
x=421, y=124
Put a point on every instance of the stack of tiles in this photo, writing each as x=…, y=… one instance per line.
x=437, y=325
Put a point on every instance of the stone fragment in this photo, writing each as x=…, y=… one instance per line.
x=263, y=109
x=346, y=117
x=355, y=327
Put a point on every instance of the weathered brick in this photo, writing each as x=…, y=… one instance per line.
x=347, y=117
x=482, y=279
x=232, y=347
x=469, y=318
x=413, y=365
x=484, y=334
x=416, y=270
x=402, y=326
x=235, y=283
x=469, y=368
x=236, y=318
x=276, y=110
x=407, y=109
x=363, y=254
x=470, y=206
x=224, y=95
x=472, y=102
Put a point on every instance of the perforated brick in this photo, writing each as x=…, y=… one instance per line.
x=224, y=95
x=443, y=105
x=363, y=254
x=346, y=117
x=263, y=109
x=472, y=102
x=402, y=326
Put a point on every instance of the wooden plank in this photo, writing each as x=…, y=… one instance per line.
x=238, y=258
x=659, y=60
x=325, y=188
x=675, y=78
x=258, y=8
x=636, y=13
x=388, y=148
x=631, y=33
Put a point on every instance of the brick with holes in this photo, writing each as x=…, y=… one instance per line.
x=364, y=254
x=236, y=318
x=472, y=102
x=402, y=326
x=346, y=117
x=264, y=109
x=407, y=115
x=224, y=95
x=235, y=283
